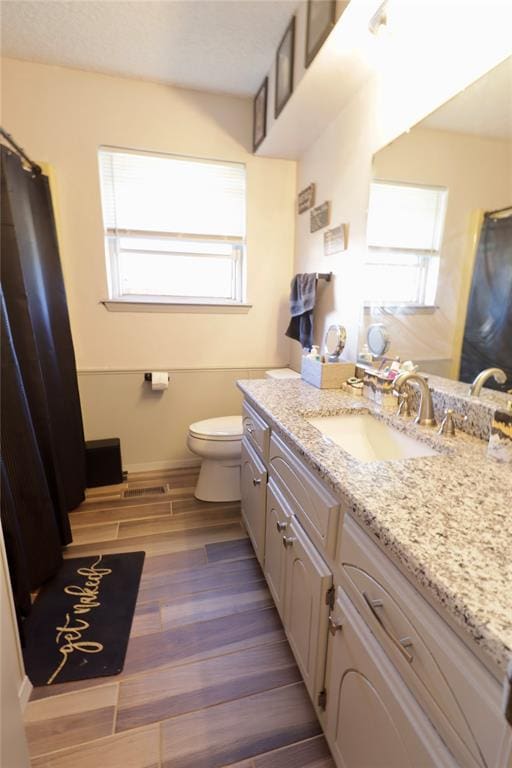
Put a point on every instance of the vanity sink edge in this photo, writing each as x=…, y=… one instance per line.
x=368, y=435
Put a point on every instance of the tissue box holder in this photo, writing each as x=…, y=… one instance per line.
x=326, y=375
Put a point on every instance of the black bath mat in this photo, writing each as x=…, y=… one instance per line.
x=81, y=620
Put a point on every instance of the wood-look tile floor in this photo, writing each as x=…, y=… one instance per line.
x=209, y=680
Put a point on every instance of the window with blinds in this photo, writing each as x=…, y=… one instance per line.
x=174, y=227
x=404, y=233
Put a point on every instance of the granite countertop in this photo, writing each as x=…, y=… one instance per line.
x=488, y=398
x=445, y=519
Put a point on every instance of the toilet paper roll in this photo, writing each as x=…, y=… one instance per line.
x=159, y=380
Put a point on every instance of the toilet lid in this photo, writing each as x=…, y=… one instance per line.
x=222, y=428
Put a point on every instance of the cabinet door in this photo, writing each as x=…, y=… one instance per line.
x=371, y=718
x=254, y=489
x=306, y=614
x=277, y=522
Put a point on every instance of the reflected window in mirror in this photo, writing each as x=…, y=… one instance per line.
x=405, y=232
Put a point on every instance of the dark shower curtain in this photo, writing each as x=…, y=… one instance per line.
x=488, y=331
x=32, y=539
x=42, y=435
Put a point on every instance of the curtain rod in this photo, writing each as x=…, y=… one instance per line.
x=500, y=210
x=34, y=167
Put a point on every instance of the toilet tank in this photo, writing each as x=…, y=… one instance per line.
x=282, y=373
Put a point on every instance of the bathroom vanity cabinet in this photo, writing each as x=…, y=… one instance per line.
x=255, y=444
x=391, y=681
x=307, y=582
x=254, y=483
x=371, y=717
x=278, y=518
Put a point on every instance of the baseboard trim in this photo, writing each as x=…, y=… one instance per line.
x=24, y=692
x=156, y=465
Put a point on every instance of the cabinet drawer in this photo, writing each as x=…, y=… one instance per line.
x=316, y=508
x=256, y=430
x=459, y=695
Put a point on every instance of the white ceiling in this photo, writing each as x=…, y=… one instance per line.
x=484, y=108
x=213, y=45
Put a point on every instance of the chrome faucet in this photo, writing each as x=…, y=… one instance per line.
x=496, y=373
x=425, y=415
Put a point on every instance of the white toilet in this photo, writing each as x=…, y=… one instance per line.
x=219, y=444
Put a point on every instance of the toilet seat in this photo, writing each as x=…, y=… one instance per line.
x=222, y=428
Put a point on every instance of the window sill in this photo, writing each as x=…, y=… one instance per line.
x=401, y=309
x=208, y=308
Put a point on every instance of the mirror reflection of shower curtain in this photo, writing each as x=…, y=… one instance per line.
x=488, y=330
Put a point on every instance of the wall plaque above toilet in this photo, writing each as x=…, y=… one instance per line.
x=336, y=240
x=306, y=199
x=320, y=217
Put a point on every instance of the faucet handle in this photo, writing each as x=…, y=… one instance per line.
x=447, y=425
x=404, y=401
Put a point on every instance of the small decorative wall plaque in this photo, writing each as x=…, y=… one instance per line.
x=306, y=198
x=336, y=240
x=319, y=217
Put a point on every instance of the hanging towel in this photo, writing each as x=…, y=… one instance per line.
x=302, y=303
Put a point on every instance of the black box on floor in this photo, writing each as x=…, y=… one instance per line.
x=103, y=462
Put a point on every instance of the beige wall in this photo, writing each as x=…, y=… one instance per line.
x=478, y=175
x=340, y=165
x=153, y=425
x=61, y=116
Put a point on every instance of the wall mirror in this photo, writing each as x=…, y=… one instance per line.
x=438, y=274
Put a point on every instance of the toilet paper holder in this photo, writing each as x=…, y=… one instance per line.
x=149, y=377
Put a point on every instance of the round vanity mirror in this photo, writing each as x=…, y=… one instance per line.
x=335, y=339
x=378, y=339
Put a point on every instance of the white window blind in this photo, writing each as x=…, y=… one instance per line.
x=404, y=216
x=405, y=230
x=174, y=226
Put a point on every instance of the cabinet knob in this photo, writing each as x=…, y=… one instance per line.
x=256, y=481
x=334, y=626
x=288, y=541
x=281, y=526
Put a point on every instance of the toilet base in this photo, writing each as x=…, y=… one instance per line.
x=218, y=481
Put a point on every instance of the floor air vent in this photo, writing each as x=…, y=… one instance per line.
x=156, y=490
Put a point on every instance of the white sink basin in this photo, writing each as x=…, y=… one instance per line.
x=369, y=439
